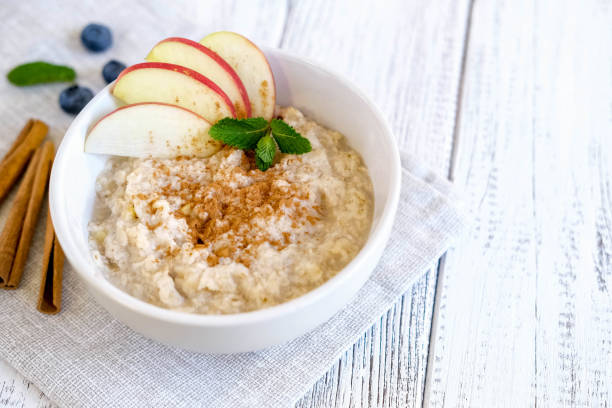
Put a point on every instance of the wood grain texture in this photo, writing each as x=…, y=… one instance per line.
x=16, y=391
x=386, y=366
x=523, y=314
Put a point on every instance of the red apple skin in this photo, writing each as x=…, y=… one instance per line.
x=222, y=63
x=269, y=88
x=183, y=70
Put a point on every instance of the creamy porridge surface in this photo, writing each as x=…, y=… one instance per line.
x=216, y=235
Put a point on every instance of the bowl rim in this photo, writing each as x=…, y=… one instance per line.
x=82, y=262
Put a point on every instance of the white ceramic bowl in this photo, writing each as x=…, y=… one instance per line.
x=320, y=94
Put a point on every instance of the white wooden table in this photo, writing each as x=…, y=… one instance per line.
x=513, y=101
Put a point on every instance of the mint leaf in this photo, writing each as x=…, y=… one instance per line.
x=288, y=139
x=262, y=165
x=241, y=133
x=265, y=152
x=266, y=149
x=259, y=135
x=40, y=72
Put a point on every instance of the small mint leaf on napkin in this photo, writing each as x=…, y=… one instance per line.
x=40, y=72
x=288, y=139
x=259, y=135
x=241, y=133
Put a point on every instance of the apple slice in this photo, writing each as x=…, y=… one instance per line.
x=252, y=68
x=151, y=130
x=176, y=85
x=190, y=54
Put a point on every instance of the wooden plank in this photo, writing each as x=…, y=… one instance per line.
x=16, y=391
x=524, y=315
x=572, y=141
x=406, y=55
x=385, y=367
x=483, y=347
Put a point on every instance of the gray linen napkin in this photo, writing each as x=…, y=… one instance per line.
x=84, y=357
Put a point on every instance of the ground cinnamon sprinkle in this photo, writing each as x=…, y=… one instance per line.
x=229, y=217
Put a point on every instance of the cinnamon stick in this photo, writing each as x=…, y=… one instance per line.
x=9, y=239
x=12, y=166
x=20, y=138
x=50, y=294
x=39, y=187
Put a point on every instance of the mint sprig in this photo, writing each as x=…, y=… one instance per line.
x=288, y=139
x=263, y=137
x=243, y=134
x=40, y=72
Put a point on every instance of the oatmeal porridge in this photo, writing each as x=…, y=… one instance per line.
x=216, y=235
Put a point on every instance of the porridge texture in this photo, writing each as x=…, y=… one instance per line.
x=217, y=236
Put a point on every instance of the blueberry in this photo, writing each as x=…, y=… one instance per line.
x=111, y=70
x=74, y=98
x=96, y=37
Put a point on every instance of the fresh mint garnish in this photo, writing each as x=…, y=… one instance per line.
x=266, y=149
x=40, y=72
x=263, y=137
x=288, y=139
x=262, y=165
x=243, y=134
